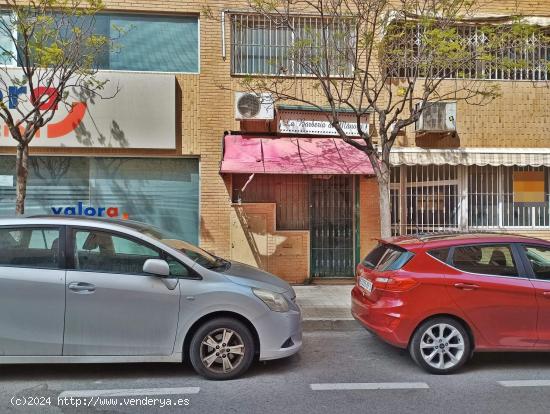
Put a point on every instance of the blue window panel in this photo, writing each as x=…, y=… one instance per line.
x=145, y=43
x=162, y=192
x=152, y=43
x=7, y=47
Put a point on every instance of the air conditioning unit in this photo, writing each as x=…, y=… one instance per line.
x=437, y=117
x=253, y=106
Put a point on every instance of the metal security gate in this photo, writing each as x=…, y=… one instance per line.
x=331, y=224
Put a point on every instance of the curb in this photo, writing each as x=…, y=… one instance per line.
x=341, y=325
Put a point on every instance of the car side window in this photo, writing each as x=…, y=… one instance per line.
x=177, y=268
x=539, y=257
x=494, y=259
x=440, y=254
x=30, y=247
x=102, y=251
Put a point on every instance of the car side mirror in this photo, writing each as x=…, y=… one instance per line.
x=156, y=267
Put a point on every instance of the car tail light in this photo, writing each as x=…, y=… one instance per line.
x=395, y=283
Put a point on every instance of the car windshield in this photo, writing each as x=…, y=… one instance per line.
x=198, y=255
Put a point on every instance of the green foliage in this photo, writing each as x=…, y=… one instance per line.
x=432, y=47
x=53, y=43
x=57, y=33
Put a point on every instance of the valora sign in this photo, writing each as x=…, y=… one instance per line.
x=82, y=210
x=135, y=110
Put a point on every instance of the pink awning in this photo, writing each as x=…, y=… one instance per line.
x=273, y=155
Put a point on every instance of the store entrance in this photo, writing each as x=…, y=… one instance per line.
x=331, y=225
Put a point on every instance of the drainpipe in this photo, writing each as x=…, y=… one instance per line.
x=223, y=33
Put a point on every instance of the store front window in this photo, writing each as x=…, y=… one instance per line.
x=159, y=191
x=428, y=198
x=492, y=202
x=432, y=198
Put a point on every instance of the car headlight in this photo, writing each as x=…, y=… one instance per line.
x=274, y=301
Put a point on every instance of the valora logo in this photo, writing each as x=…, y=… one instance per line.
x=80, y=210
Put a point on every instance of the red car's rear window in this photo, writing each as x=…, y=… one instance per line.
x=387, y=257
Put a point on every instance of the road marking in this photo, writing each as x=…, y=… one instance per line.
x=369, y=386
x=129, y=392
x=525, y=383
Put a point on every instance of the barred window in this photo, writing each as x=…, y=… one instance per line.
x=298, y=45
x=429, y=198
x=491, y=199
x=474, y=52
x=435, y=198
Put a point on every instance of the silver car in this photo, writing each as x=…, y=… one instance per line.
x=91, y=290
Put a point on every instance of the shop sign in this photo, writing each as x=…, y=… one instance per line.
x=80, y=209
x=317, y=123
x=135, y=110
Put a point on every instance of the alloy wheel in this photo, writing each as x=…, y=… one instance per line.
x=222, y=351
x=442, y=346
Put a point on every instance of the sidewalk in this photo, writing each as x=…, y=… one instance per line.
x=326, y=307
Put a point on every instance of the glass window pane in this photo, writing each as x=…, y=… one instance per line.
x=485, y=259
x=30, y=247
x=264, y=46
x=440, y=254
x=154, y=43
x=177, y=268
x=161, y=192
x=106, y=252
x=483, y=196
x=539, y=257
x=7, y=46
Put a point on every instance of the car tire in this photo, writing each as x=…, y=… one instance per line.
x=441, y=345
x=213, y=357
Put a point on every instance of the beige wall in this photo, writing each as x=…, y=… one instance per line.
x=256, y=241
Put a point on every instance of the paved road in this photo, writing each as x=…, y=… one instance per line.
x=310, y=382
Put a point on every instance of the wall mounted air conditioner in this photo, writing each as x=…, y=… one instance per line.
x=437, y=117
x=253, y=106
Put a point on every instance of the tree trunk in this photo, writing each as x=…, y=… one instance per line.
x=22, y=170
x=385, y=204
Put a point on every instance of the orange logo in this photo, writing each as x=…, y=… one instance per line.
x=56, y=129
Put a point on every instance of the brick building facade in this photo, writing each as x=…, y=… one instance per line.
x=248, y=230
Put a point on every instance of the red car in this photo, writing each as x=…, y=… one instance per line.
x=445, y=296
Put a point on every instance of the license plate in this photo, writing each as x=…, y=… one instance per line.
x=365, y=284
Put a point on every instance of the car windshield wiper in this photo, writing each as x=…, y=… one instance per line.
x=221, y=263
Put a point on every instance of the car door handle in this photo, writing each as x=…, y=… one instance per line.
x=546, y=294
x=82, y=287
x=466, y=286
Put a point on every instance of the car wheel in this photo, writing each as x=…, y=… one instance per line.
x=440, y=345
x=222, y=349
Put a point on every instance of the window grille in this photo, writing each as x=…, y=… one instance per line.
x=491, y=199
x=429, y=196
x=297, y=45
x=526, y=58
x=440, y=198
